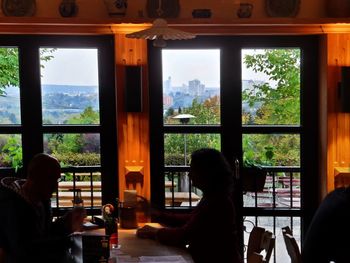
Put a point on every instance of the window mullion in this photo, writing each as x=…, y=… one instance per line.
x=30, y=93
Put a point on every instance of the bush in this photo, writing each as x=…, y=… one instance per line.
x=176, y=159
x=78, y=159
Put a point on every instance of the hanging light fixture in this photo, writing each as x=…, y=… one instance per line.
x=159, y=32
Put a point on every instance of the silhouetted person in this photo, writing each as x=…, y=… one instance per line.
x=327, y=237
x=210, y=230
x=27, y=233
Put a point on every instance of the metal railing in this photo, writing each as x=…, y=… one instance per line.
x=86, y=181
x=277, y=205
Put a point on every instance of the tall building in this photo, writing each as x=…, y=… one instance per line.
x=195, y=87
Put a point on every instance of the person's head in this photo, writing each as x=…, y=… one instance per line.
x=42, y=176
x=210, y=171
x=107, y=210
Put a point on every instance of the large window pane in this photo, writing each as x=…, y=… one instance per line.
x=9, y=86
x=178, y=147
x=271, y=149
x=69, y=85
x=191, y=85
x=74, y=149
x=11, y=150
x=270, y=86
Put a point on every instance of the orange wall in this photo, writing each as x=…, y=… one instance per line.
x=133, y=128
x=338, y=125
x=220, y=8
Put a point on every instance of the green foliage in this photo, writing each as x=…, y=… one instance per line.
x=174, y=159
x=77, y=149
x=46, y=55
x=206, y=113
x=277, y=102
x=174, y=146
x=280, y=101
x=78, y=159
x=271, y=150
x=88, y=116
x=11, y=153
x=9, y=69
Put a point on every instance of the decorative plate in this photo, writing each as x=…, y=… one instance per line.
x=163, y=8
x=282, y=8
x=18, y=7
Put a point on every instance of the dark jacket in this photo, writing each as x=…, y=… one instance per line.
x=27, y=233
x=327, y=238
x=209, y=232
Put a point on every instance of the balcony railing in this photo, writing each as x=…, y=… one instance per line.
x=74, y=179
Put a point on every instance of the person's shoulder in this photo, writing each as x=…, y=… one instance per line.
x=8, y=189
x=7, y=195
x=219, y=201
x=342, y=193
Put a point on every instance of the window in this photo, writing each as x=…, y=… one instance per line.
x=58, y=97
x=253, y=98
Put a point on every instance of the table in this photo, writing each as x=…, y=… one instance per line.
x=137, y=247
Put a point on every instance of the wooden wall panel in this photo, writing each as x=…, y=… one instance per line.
x=133, y=128
x=338, y=150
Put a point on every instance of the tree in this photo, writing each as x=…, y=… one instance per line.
x=77, y=149
x=280, y=98
x=10, y=66
x=88, y=116
x=11, y=152
x=9, y=69
x=207, y=112
x=277, y=102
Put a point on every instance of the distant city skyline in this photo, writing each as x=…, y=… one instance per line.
x=202, y=64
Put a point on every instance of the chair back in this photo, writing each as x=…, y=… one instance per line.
x=256, y=258
x=291, y=245
x=260, y=240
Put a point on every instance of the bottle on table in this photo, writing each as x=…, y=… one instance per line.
x=111, y=224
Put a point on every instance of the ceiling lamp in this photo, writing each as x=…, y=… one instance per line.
x=159, y=32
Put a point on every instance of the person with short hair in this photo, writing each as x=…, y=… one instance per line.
x=27, y=232
x=210, y=231
x=324, y=240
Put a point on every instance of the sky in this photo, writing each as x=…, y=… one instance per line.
x=185, y=65
x=79, y=67
x=71, y=67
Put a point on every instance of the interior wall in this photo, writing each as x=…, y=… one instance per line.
x=338, y=150
x=225, y=9
x=133, y=127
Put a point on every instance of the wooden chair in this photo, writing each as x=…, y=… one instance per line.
x=260, y=240
x=291, y=245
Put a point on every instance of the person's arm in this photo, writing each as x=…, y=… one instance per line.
x=167, y=235
x=71, y=222
x=170, y=219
